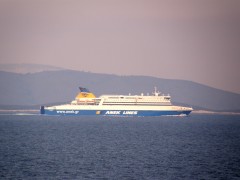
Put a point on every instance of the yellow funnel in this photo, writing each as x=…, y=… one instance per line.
x=85, y=93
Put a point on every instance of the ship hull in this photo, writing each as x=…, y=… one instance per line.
x=116, y=112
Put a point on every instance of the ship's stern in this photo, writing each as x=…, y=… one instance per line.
x=42, y=110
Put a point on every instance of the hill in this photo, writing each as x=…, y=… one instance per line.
x=62, y=86
x=27, y=68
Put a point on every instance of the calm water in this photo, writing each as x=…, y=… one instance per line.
x=44, y=147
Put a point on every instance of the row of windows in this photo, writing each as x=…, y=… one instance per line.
x=168, y=104
x=162, y=101
x=136, y=102
x=122, y=97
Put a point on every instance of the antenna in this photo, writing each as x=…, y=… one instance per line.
x=156, y=93
x=155, y=89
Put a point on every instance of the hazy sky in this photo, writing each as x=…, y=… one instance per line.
x=196, y=40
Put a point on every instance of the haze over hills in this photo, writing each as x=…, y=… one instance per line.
x=62, y=86
x=28, y=68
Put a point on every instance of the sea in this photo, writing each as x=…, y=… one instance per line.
x=66, y=147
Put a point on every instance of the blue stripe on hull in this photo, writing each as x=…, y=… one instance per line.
x=113, y=113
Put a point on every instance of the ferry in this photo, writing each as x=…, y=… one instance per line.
x=86, y=103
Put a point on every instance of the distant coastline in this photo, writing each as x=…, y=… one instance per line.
x=214, y=112
x=48, y=87
x=19, y=112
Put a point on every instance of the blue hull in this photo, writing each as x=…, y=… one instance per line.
x=112, y=113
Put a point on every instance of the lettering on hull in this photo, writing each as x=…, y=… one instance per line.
x=122, y=112
x=130, y=112
x=113, y=112
x=67, y=112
